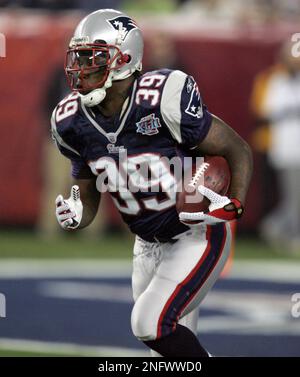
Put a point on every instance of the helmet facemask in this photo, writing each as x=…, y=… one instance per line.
x=89, y=68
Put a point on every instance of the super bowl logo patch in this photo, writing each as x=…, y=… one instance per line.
x=148, y=125
x=194, y=107
x=127, y=24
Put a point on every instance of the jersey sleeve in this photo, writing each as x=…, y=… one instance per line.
x=80, y=170
x=186, y=117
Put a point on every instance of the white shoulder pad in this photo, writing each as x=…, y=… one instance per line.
x=170, y=102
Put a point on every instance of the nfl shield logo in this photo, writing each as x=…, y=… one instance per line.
x=148, y=125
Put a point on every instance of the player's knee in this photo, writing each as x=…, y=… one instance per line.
x=143, y=321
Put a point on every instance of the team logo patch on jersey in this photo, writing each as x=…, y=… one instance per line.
x=148, y=125
x=127, y=25
x=194, y=107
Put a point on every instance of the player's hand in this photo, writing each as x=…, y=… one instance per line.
x=69, y=211
x=221, y=209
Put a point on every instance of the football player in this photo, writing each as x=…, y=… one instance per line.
x=114, y=108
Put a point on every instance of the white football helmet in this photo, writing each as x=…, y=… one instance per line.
x=106, y=43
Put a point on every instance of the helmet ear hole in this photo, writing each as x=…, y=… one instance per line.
x=124, y=59
x=127, y=58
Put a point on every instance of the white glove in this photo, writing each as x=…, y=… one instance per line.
x=69, y=211
x=221, y=209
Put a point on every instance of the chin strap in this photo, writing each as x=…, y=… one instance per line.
x=96, y=96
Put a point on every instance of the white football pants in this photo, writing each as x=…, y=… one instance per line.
x=170, y=280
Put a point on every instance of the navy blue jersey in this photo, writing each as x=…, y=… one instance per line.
x=162, y=116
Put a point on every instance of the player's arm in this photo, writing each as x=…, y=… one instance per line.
x=79, y=210
x=195, y=128
x=222, y=140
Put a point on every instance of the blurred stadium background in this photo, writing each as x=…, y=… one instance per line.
x=70, y=294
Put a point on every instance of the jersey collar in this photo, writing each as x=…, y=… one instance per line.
x=112, y=136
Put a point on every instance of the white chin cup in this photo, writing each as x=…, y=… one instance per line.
x=96, y=96
x=93, y=98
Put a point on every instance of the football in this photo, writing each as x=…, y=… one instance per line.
x=214, y=173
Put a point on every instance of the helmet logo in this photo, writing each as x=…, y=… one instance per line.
x=127, y=25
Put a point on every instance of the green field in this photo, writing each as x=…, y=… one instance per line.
x=29, y=245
